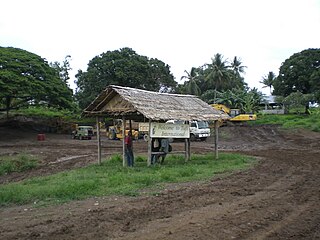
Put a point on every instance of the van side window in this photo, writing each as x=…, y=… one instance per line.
x=193, y=124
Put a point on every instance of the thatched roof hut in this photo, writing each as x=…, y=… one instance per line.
x=140, y=105
x=137, y=104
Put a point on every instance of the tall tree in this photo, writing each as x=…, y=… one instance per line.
x=300, y=72
x=122, y=67
x=218, y=72
x=238, y=69
x=63, y=68
x=237, y=66
x=268, y=80
x=191, y=85
x=26, y=78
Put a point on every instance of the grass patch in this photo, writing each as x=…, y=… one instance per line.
x=17, y=163
x=111, y=178
x=291, y=121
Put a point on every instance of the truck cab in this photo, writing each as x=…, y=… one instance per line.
x=198, y=129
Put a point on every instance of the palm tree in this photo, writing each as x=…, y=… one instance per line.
x=237, y=70
x=219, y=73
x=237, y=67
x=191, y=85
x=268, y=80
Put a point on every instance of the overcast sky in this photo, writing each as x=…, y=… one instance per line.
x=181, y=33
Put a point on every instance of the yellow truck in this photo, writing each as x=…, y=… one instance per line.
x=235, y=115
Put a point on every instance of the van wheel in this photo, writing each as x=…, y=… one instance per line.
x=192, y=137
x=80, y=137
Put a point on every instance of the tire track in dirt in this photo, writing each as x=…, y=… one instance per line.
x=259, y=202
x=277, y=199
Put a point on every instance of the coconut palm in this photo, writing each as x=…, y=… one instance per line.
x=191, y=85
x=237, y=67
x=219, y=72
x=237, y=70
x=268, y=80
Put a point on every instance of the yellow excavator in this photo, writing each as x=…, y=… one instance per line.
x=235, y=115
x=115, y=132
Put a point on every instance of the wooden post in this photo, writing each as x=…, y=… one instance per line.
x=149, y=144
x=216, y=138
x=130, y=126
x=124, y=162
x=98, y=140
x=189, y=149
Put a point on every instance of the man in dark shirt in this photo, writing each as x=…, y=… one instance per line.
x=128, y=149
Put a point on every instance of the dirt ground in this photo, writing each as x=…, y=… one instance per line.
x=277, y=199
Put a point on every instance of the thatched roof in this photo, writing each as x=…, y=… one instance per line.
x=137, y=104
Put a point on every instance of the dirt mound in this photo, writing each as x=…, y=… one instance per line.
x=277, y=199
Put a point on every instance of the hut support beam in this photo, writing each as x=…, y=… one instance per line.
x=98, y=140
x=124, y=162
x=149, y=144
x=187, y=149
x=216, y=139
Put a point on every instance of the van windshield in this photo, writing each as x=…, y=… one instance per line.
x=203, y=124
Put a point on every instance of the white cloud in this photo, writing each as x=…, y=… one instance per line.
x=183, y=34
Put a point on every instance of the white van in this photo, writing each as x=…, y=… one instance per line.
x=198, y=129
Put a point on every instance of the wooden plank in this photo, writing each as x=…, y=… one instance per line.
x=124, y=162
x=216, y=139
x=98, y=140
x=149, y=144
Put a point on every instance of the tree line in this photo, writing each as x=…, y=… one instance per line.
x=298, y=81
x=27, y=79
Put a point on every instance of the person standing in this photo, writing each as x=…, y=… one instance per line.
x=128, y=149
x=164, y=147
x=155, y=147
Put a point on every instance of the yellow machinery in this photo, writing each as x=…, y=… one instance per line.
x=115, y=131
x=235, y=115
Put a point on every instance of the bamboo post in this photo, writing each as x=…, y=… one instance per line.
x=189, y=149
x=149, y=144
x=216, y=138
x=98, y=140
x=124, y=162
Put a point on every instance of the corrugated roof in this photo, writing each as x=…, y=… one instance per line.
x=117, y=101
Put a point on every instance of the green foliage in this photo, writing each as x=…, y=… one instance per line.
x=293, y=121
x=63, y=69
x=111, y=178
x=246, y=100
x=300, y=72
x=191, y=85
x=27, y=79
x=217, y=72
x=221, y=82
x=122, y=67
x=17, y=163
x=47, y=112
x=219, y=75
x=298, y=100
x=268, y=80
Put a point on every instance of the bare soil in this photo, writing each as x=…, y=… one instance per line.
x=279, y=198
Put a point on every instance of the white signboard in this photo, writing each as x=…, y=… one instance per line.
x=143, y=127
x=169, y=130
